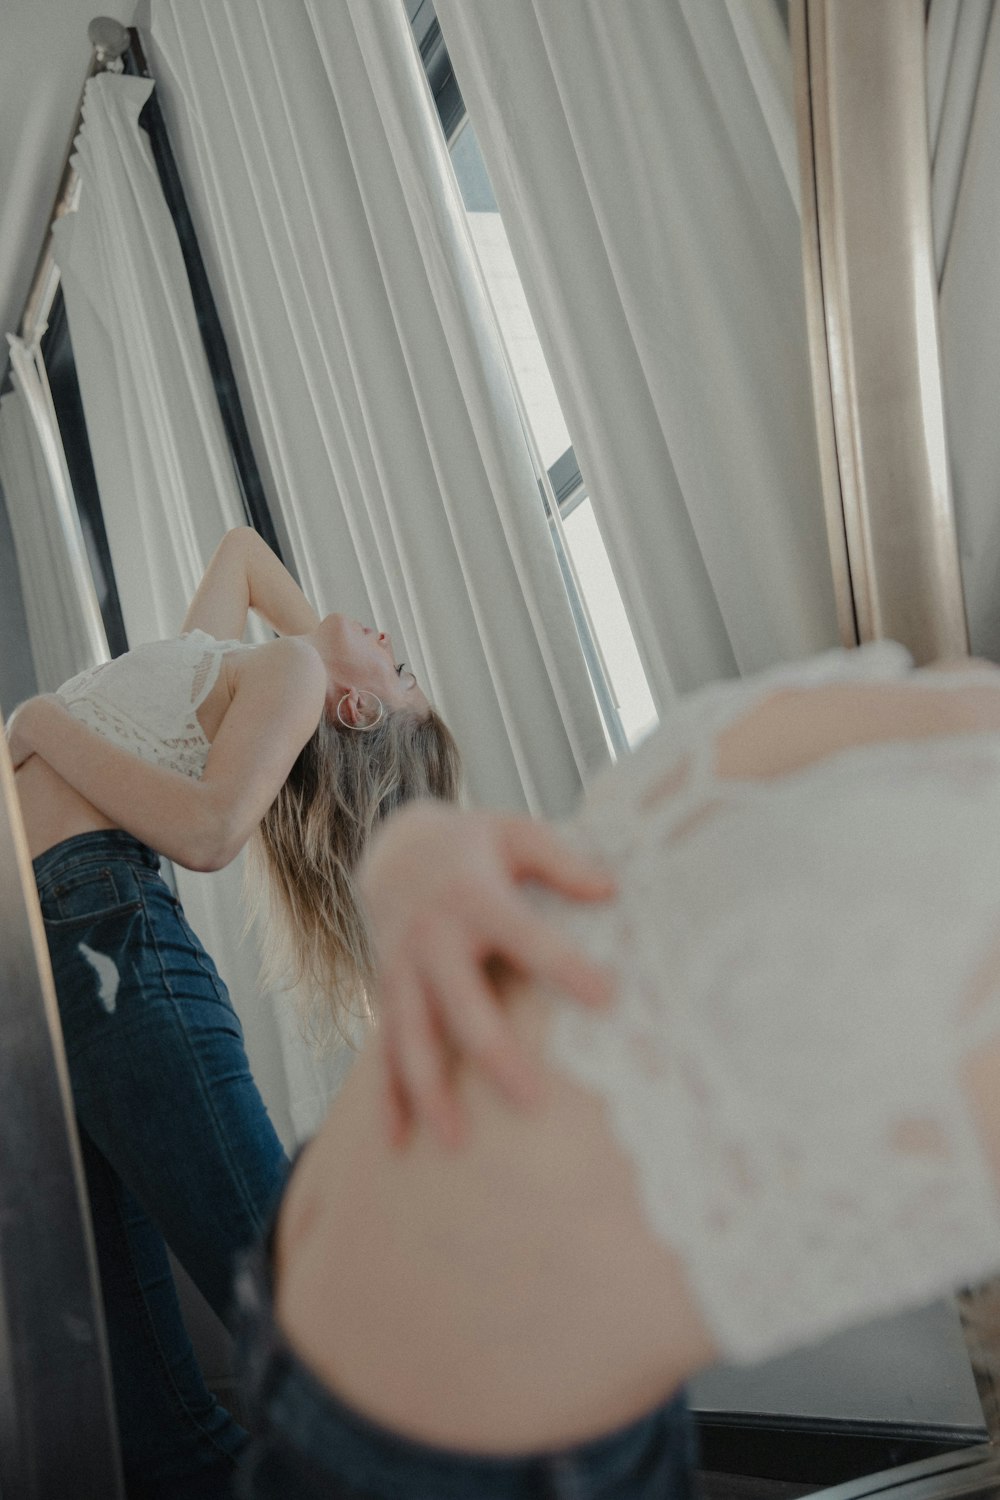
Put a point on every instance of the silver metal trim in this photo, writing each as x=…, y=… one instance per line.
x=58, y=1433
x=967, y=1472
x=872, y=298
x=109, y=39
x=812, y=271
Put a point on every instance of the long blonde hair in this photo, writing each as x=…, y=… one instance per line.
x=306, y=853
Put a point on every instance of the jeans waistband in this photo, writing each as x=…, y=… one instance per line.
x=94, y=848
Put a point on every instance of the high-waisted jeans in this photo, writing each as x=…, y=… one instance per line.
x=309, y=1445
x=177, y=1144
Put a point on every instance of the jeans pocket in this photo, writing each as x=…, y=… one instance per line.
x=89, y=896
x=93, y=955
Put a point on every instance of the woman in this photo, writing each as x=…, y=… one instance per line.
x=787, y=1119
x=187, y=748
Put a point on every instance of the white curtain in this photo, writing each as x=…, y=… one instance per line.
x=643, y=158
x=963, y=88
x=367, y=349
x=167, y=484
x=168, y=492
x=65, y=630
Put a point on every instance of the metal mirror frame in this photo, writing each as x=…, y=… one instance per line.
x=871, y=299
x=58, y=1434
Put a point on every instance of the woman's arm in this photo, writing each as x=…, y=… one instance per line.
x=244, y=574
x=200, y=824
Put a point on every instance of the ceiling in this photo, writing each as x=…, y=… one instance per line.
x=44, y=57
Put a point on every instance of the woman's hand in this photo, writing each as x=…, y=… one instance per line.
x=22, y=725
x=443, y=892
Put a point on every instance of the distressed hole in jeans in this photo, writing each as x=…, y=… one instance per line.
x=108, y=978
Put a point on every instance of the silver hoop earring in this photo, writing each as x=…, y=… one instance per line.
x=362, y=728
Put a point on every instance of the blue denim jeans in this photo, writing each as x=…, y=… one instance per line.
x=308, y=1445
x=177, y=1144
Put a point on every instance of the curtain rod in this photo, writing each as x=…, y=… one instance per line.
x=110, y=40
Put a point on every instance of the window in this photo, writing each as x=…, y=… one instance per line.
x=619, y=681
x=626, y=699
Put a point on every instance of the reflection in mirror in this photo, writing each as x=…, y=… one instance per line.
x=119, y=767
x=670, y=367
x=65, y=628
x=605, y=628
x=649, y=333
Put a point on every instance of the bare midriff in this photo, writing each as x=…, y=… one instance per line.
x=503, y=1298
x=52, y=810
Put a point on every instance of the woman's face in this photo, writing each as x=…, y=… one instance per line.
x=361, y=659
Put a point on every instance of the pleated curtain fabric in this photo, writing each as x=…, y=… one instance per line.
x=168, y=493
x=167, y=485
x=643, y=158
x=963, y=97
x=65, y=630
x=369, y=358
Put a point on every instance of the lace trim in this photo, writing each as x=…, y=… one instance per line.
x=204, y=677
x=805, y=965
x=186, y=752
x=146, y=701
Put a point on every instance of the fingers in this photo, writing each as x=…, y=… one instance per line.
x=540, y=950
x=418, y=1064
x=535, y=852
x=480, y=1029
x=465, y=1017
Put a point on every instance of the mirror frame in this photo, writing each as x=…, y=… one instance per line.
x=58, y=1431
x=871, y=300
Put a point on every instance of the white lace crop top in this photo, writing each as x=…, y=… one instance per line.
x=805, y=963
x=147, y=700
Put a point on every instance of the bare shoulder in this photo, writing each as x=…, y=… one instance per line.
x=283, y=679
x=289, y=658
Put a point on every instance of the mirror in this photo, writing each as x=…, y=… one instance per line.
x=892, y=1392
